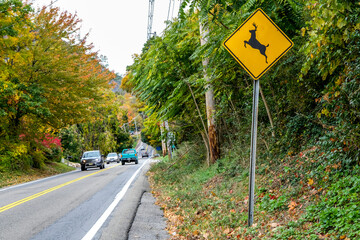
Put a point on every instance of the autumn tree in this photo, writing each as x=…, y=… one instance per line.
x=51, y=77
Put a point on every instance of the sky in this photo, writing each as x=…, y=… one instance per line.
x=117, y=28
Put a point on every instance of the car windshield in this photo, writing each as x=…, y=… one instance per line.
x=129, y=151
x=90, y=154
x=112, y=155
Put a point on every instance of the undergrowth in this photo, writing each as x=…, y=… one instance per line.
x=30, y=174
x=312, y=194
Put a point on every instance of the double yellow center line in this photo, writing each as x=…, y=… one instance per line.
x=14, y=204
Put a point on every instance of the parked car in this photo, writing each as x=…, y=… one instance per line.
x=112, y=157
x=92, y=159
x=129, y=155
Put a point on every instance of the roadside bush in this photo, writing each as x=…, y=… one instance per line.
x=338, y=211
x=189, y=157
x=299, y=130
x=53, y=154
x=15, y=158
x=37, y=158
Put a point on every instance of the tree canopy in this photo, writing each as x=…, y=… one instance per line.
x=50, y=77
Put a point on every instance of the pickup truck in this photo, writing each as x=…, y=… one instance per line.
x=129, y=155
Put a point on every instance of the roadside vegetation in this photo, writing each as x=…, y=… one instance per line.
x=31, y=174
x=308, y=156
x=58, y=98
x=308, y=195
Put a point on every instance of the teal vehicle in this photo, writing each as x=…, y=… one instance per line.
x=129, y=155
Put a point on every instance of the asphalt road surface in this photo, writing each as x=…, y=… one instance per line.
x=113, y=203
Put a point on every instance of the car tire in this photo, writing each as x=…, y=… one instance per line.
x=83, y=168
x=136, y=162
x=117, y=161
x=122, y=163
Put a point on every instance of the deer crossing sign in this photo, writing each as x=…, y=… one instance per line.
x=257, y=44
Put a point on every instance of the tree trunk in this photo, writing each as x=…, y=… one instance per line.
x=210, y=105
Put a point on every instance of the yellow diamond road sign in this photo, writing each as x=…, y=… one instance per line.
x=257, y=44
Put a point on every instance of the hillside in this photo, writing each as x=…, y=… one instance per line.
x=313, y=194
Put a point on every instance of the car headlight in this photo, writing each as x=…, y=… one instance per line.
x=84, y=161
x=97, y=160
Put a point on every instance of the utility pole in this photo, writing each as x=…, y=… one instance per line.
x=163, y=144
x=168, y=141
x=150, y=19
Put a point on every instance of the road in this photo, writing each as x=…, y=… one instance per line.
x=92, y=204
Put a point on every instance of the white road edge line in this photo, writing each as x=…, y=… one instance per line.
x=91, y=233
x=38, y=180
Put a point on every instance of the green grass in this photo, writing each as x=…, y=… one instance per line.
x=313, y=194
x=16, y=177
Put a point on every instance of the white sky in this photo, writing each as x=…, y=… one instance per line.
x=118, y=28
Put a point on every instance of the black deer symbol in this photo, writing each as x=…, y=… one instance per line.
x=254, y=43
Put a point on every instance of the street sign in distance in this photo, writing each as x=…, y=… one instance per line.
x=257, y=44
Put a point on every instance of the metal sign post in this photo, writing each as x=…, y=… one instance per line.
x=256, y=45
x=253, y=150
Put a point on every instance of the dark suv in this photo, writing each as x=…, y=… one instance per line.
x=92, y=159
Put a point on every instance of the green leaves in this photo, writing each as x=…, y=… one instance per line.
x=49, y=77
x=338, y=211
x=332, y=24
x=161, y=72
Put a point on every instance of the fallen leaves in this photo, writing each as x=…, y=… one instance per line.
x=310, y=181
x=292, y=205
x=273, y=224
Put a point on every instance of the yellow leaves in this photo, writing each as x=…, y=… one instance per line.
x=310, y=181
x=303, y=31
x=214, y=194
x=325, y=112
x=341, y=23
x=339, y=81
